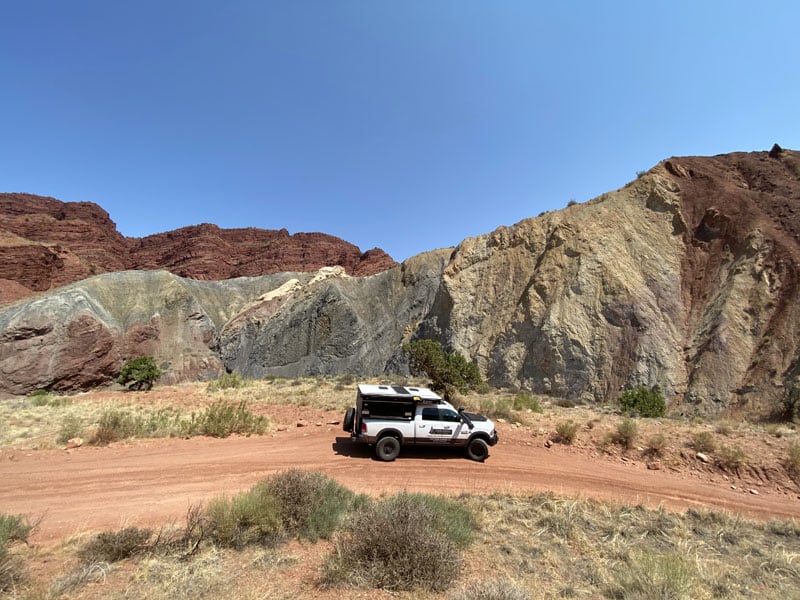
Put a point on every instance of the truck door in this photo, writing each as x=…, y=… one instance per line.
x=439, y=426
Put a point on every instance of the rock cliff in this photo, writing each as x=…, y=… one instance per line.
x=46, y=243
x=687, y=278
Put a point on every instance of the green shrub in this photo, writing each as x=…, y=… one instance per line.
x=731, y=458
x=643, y=402
x=221, y=419
x=252, y=517
x=655, y=445
x=228, y=381
x=139, y=373
x=526, y=401
x=566, y=431
x=311, y=504
x=113, y=425
x=450, y=372
x=626, y=434
x=404, y=542
x=71, y=427
x=113, y=546
x=792, y=462
x=703, y=441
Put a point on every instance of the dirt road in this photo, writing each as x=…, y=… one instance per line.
x=153, y=482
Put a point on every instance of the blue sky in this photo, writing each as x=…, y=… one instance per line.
x=405, y=125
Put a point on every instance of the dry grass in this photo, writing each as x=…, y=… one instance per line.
x=534, y=547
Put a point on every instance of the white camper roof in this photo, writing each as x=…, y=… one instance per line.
x=397, y=391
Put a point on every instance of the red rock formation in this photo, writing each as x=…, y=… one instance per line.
x=46, y=243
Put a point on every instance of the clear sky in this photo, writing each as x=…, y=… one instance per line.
x=407, y=125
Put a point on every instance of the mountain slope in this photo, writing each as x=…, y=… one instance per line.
x=687, y=278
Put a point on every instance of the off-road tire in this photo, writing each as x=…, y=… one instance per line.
x=349, y=418
x=478, y=450
x=387, y=448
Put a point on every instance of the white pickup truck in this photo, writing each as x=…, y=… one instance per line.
x=394, y=416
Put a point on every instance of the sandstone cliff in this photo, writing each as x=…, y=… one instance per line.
x=687, y=278
x=45, y=243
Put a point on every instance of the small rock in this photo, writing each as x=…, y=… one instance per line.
x=282, y=428
x=547, y=443
x=754, y=492
x=703, y=458
x=733, y=487
x=74, y=443
x=318, y=424
x=654, y=466
x=302, y=423
x=334, y=422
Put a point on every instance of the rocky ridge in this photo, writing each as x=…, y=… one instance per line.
x=687, y=278
x=46, y=243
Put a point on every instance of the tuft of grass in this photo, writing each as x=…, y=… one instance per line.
x=654, y=576
x=626, y=433
x=71, y=427
x=731, y=458
x=527, y=401
x=252, y=517
x=792, y=462
x=228, y=381
x=492, y=589
x=703, y=441
x=404, y=542
x=655, y=445
x=566, y=431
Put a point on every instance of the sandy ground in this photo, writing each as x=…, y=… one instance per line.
x=153, y=482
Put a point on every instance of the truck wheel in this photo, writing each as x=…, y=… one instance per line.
x=387, y=448
x=349, y=417
x=478, y=450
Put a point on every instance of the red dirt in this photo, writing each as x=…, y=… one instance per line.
x=153, y=482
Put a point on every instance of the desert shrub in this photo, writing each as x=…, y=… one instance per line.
x=526, y=401
x=566, y=431
x=492, y=589
x=654, y=576
x=450, y=372
x=139, y=373
x=730, y=458
x=565, y=403
x=792, y=462
x=703, y=441
x=252, y=517
x=221, y=419
x=310, y=504
x=13, y=528
x=113, y=546
x=643, y=402
x=227, y=381
x=790, y=403
x=655, y=445
x=724, y=428
x=71, y=427
x=401, y=543
x=626, y=433
x=501, y=408
x=112, y=426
